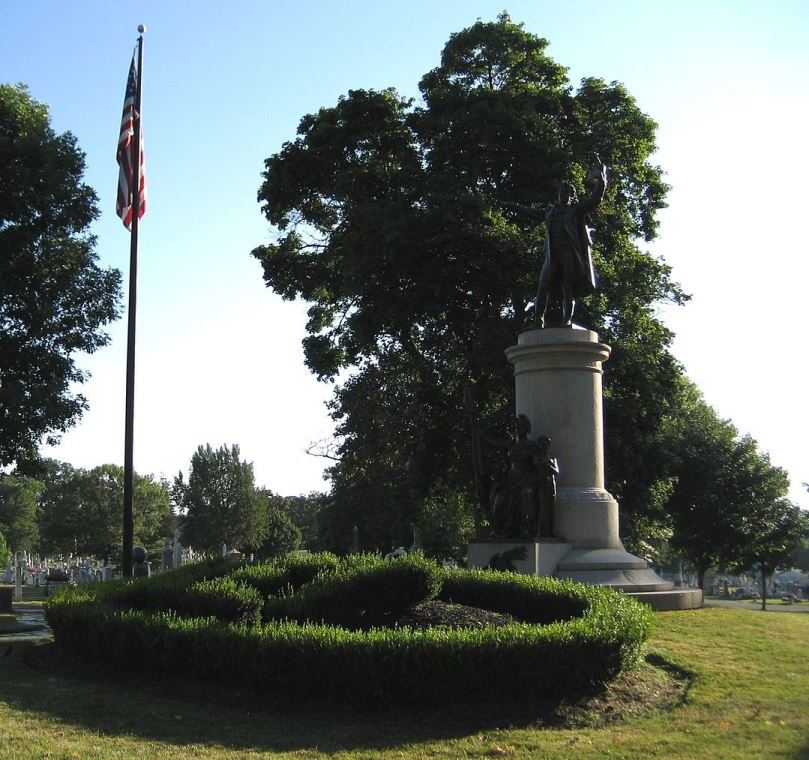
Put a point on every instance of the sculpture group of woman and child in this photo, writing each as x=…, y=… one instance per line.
x=519, y=501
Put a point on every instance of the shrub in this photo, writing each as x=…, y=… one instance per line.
x=286, y=573
x=595, y=634
x=525, y=597
x=362, y=591
x=221, y=598
x=165, y=591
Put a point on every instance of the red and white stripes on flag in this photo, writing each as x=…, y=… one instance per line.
x=126, y=142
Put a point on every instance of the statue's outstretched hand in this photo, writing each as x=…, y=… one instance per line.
x=598, y=171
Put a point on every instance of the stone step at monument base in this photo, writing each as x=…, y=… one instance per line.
x=669, y=601
x=633, y=581
x=622, y=571
x=611, y=567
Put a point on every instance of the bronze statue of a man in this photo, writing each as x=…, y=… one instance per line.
x=567, y=272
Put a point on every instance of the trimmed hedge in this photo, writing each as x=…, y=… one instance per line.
x=224, y=599
x=285, y=574
x=515, y=595
x=164, y=591
x=595, y=633
x=362, y=591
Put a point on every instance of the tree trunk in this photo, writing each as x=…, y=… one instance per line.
x=701, y=577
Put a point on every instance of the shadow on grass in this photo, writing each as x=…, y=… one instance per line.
x=39, y=679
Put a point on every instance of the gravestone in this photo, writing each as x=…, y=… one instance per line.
x=141, y=568
x=18, y=583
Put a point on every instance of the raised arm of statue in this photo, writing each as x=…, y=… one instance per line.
x=598, y=175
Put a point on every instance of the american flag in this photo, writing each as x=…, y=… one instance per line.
x=126, y=174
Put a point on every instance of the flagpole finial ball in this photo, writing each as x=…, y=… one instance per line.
x=141, y=28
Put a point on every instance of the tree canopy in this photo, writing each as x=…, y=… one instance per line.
x=80, y=510
x=728, y=502
x=19, y=497
x=282, y=534
x=398, y=223
x=219, y=502
x=54, y=298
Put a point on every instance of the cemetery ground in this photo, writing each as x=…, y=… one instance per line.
x=718, y=683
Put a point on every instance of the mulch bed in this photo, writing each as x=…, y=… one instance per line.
x=435, y=614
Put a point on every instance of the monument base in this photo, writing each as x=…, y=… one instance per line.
x=587, y=518
x=619, y=569
x=615, y=568
x=557, y=379
x=532, y=557
x=669, y=601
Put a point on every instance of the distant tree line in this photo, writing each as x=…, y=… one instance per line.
x=52, y=508
x=65, y=510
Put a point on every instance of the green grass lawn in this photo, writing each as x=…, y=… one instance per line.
x=749, y=699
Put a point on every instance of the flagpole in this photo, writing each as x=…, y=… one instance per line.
x=129, y=424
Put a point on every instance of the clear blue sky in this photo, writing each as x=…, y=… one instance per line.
x=219, y=357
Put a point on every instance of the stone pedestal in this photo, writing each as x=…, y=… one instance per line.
x=557, y=375
x=539, y=557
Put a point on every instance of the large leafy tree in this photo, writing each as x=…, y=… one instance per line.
x=54, y=298
x=727, y=502
x=18, y=511
x=219, y=502
x=800, y=555
x=62, y=518
x=404, y=228
x=303, y=510
x=776, y=531
x=5, y=552
x=282, y=535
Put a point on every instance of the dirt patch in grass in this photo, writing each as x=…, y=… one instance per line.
x=655, y=686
